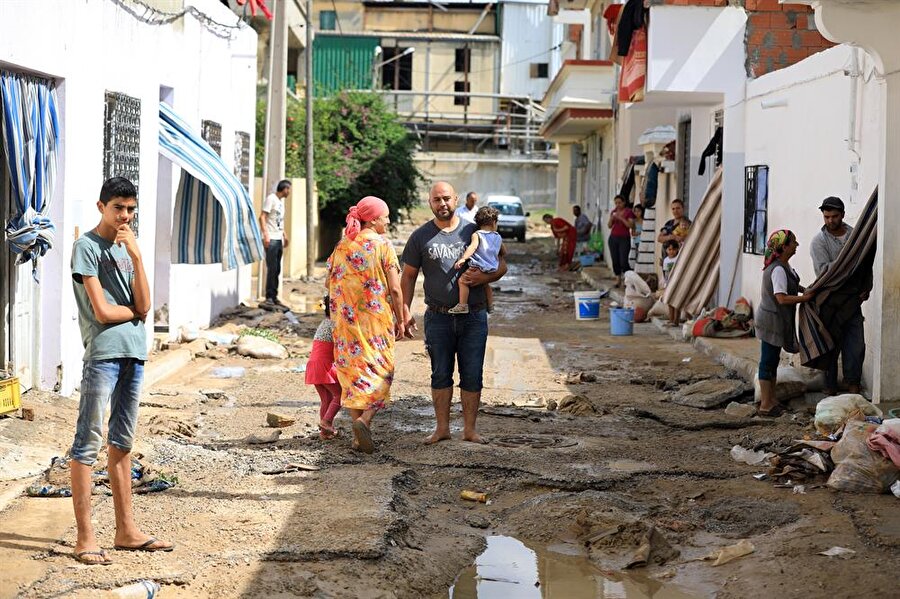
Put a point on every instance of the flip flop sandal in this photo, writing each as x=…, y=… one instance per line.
x=147, y=546
x=327, y=434
x=104, y=561
x=773, y=412
x=363, y=437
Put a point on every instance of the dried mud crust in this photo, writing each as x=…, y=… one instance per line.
x=392, y=525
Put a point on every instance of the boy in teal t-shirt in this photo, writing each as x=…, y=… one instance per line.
x=113, y=300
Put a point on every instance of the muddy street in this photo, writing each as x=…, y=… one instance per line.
x=589, y=469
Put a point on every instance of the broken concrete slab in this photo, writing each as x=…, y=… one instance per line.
x=710, y=393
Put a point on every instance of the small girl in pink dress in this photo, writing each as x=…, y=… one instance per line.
x=320, y=372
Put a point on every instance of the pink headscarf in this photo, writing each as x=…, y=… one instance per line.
x=367, y=209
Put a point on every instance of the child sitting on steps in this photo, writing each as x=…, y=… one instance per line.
x=483, y=253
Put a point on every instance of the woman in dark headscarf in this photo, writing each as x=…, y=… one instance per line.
x=776, y=315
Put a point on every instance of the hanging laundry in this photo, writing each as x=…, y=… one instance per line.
x=651, y=186
x=631, y=19
x=713, y=147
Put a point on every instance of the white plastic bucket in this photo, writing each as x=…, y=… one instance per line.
x=587, y=305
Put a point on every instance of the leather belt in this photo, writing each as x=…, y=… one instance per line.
x=445, y=309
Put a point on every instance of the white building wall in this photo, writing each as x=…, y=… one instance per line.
x=802, y=139
x=212, y=78
x=528, y=36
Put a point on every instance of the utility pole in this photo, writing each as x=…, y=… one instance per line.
x=273, y=169
x=311, y=249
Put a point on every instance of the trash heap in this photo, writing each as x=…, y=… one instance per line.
x=855, y=450
x=56, y=480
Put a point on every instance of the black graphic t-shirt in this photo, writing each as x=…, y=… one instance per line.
x=435, y=253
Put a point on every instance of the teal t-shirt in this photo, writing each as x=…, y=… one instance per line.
x=93, y=256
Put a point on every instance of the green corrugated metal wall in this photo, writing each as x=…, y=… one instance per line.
x=342, y=63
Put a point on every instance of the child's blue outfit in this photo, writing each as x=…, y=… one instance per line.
x=487, y=255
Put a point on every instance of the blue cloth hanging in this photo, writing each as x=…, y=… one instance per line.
x=29, y=131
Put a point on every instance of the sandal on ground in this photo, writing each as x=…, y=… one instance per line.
x=773, y=412
x=148, y=545
x=103, y=561
x=363, y=437
x=327, y=434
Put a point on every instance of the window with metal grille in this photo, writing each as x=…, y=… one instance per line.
x=242, y=158
x=539, y=70
x=461, y=87
x=212, y=133
x=463, y=60
x=122, y=140
x=683, y=161
x=756, y=205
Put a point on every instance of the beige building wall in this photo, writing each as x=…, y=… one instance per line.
x=434, y=70
x=426, y=19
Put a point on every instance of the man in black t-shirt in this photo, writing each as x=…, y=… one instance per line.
x=434, y=249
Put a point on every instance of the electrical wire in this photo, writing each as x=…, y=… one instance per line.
x=155, y=16
x=337, y=17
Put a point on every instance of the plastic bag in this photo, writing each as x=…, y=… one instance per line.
x=788, y=385
x=596, y=243
x=833, y=412
x=859, y=469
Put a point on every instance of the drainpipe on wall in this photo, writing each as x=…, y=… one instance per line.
x=854, y=74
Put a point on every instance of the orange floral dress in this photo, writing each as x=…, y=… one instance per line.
x=363, y=317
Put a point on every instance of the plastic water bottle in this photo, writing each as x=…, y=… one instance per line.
x=145, y=589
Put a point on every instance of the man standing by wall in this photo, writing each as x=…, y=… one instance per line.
x=275, y=240
x=467, y=212
x=113, y=299
x=851, y=342
x=449, y=338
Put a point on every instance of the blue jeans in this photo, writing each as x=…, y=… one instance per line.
x=117, y=381
x=769, y=356
x=462, y=337
x=852, y=348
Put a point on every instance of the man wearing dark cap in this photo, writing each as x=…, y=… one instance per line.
x=824, y=249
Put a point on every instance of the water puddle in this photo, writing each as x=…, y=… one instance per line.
x=305, y=304
x=509, y=568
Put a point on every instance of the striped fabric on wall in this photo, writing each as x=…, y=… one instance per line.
x=837, y=288
x=29, y=122
x=214, y=220
x=696, y=272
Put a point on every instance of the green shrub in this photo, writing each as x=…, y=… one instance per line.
x=361, y=148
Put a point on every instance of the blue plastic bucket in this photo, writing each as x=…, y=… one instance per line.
x=587, y=259
x=587, y=305
x=621, y=321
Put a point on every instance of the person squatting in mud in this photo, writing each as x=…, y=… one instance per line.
x=113, y=299
x=434, y=248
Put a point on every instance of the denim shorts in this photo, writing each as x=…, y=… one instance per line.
x=115, y=383
x=769, y=357
x=456, y=337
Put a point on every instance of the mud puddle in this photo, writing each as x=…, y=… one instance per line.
x=510, y=568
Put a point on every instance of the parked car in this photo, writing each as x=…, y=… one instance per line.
x=513, y=218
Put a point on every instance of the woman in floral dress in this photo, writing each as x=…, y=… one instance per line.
x=366, y=305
